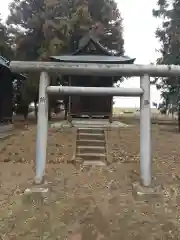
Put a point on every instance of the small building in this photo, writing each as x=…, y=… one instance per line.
x=91, y=51
x=6, y=90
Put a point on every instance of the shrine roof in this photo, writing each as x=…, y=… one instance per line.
x=94, y=59
x=87, y=40
x=5, y=63
x=90, y=50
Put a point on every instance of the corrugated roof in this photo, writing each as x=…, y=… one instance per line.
x=94, y=59
x=5, y=63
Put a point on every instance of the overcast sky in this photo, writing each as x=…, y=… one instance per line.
x=140, y=41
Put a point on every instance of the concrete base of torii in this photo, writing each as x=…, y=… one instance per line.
x=145, y=193
x=36, y=195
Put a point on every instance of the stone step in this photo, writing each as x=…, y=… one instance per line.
x=90, y=142
x=90, y=130
x=6, y=128
x=3, y=136
x=92, y=136
x=90, y=122
x=92, y=156
x=91, y=126
x=94, y=163
x=91, y=149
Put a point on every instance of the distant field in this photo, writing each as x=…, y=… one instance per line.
x=119, y=111
x=132, y=114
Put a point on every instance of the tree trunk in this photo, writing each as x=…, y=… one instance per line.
x=35, y=109
x=49, y=114
x=66, y=105
x=49, y=110
x=65, y=111
x=179, y=118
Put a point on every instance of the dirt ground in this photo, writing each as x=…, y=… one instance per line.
x=95, y=203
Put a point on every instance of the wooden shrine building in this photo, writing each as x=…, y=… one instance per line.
x=6, y=90
x=92, y=51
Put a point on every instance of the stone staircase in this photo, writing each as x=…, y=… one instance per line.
x=6, y=131
x=91, y=146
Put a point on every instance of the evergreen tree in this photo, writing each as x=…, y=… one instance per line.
x=42, y=28
x=169, y=36
x=5, y=46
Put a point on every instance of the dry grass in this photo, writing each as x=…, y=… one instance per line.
x=88, y=204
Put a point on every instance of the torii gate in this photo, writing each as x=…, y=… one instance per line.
x=143, y=71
